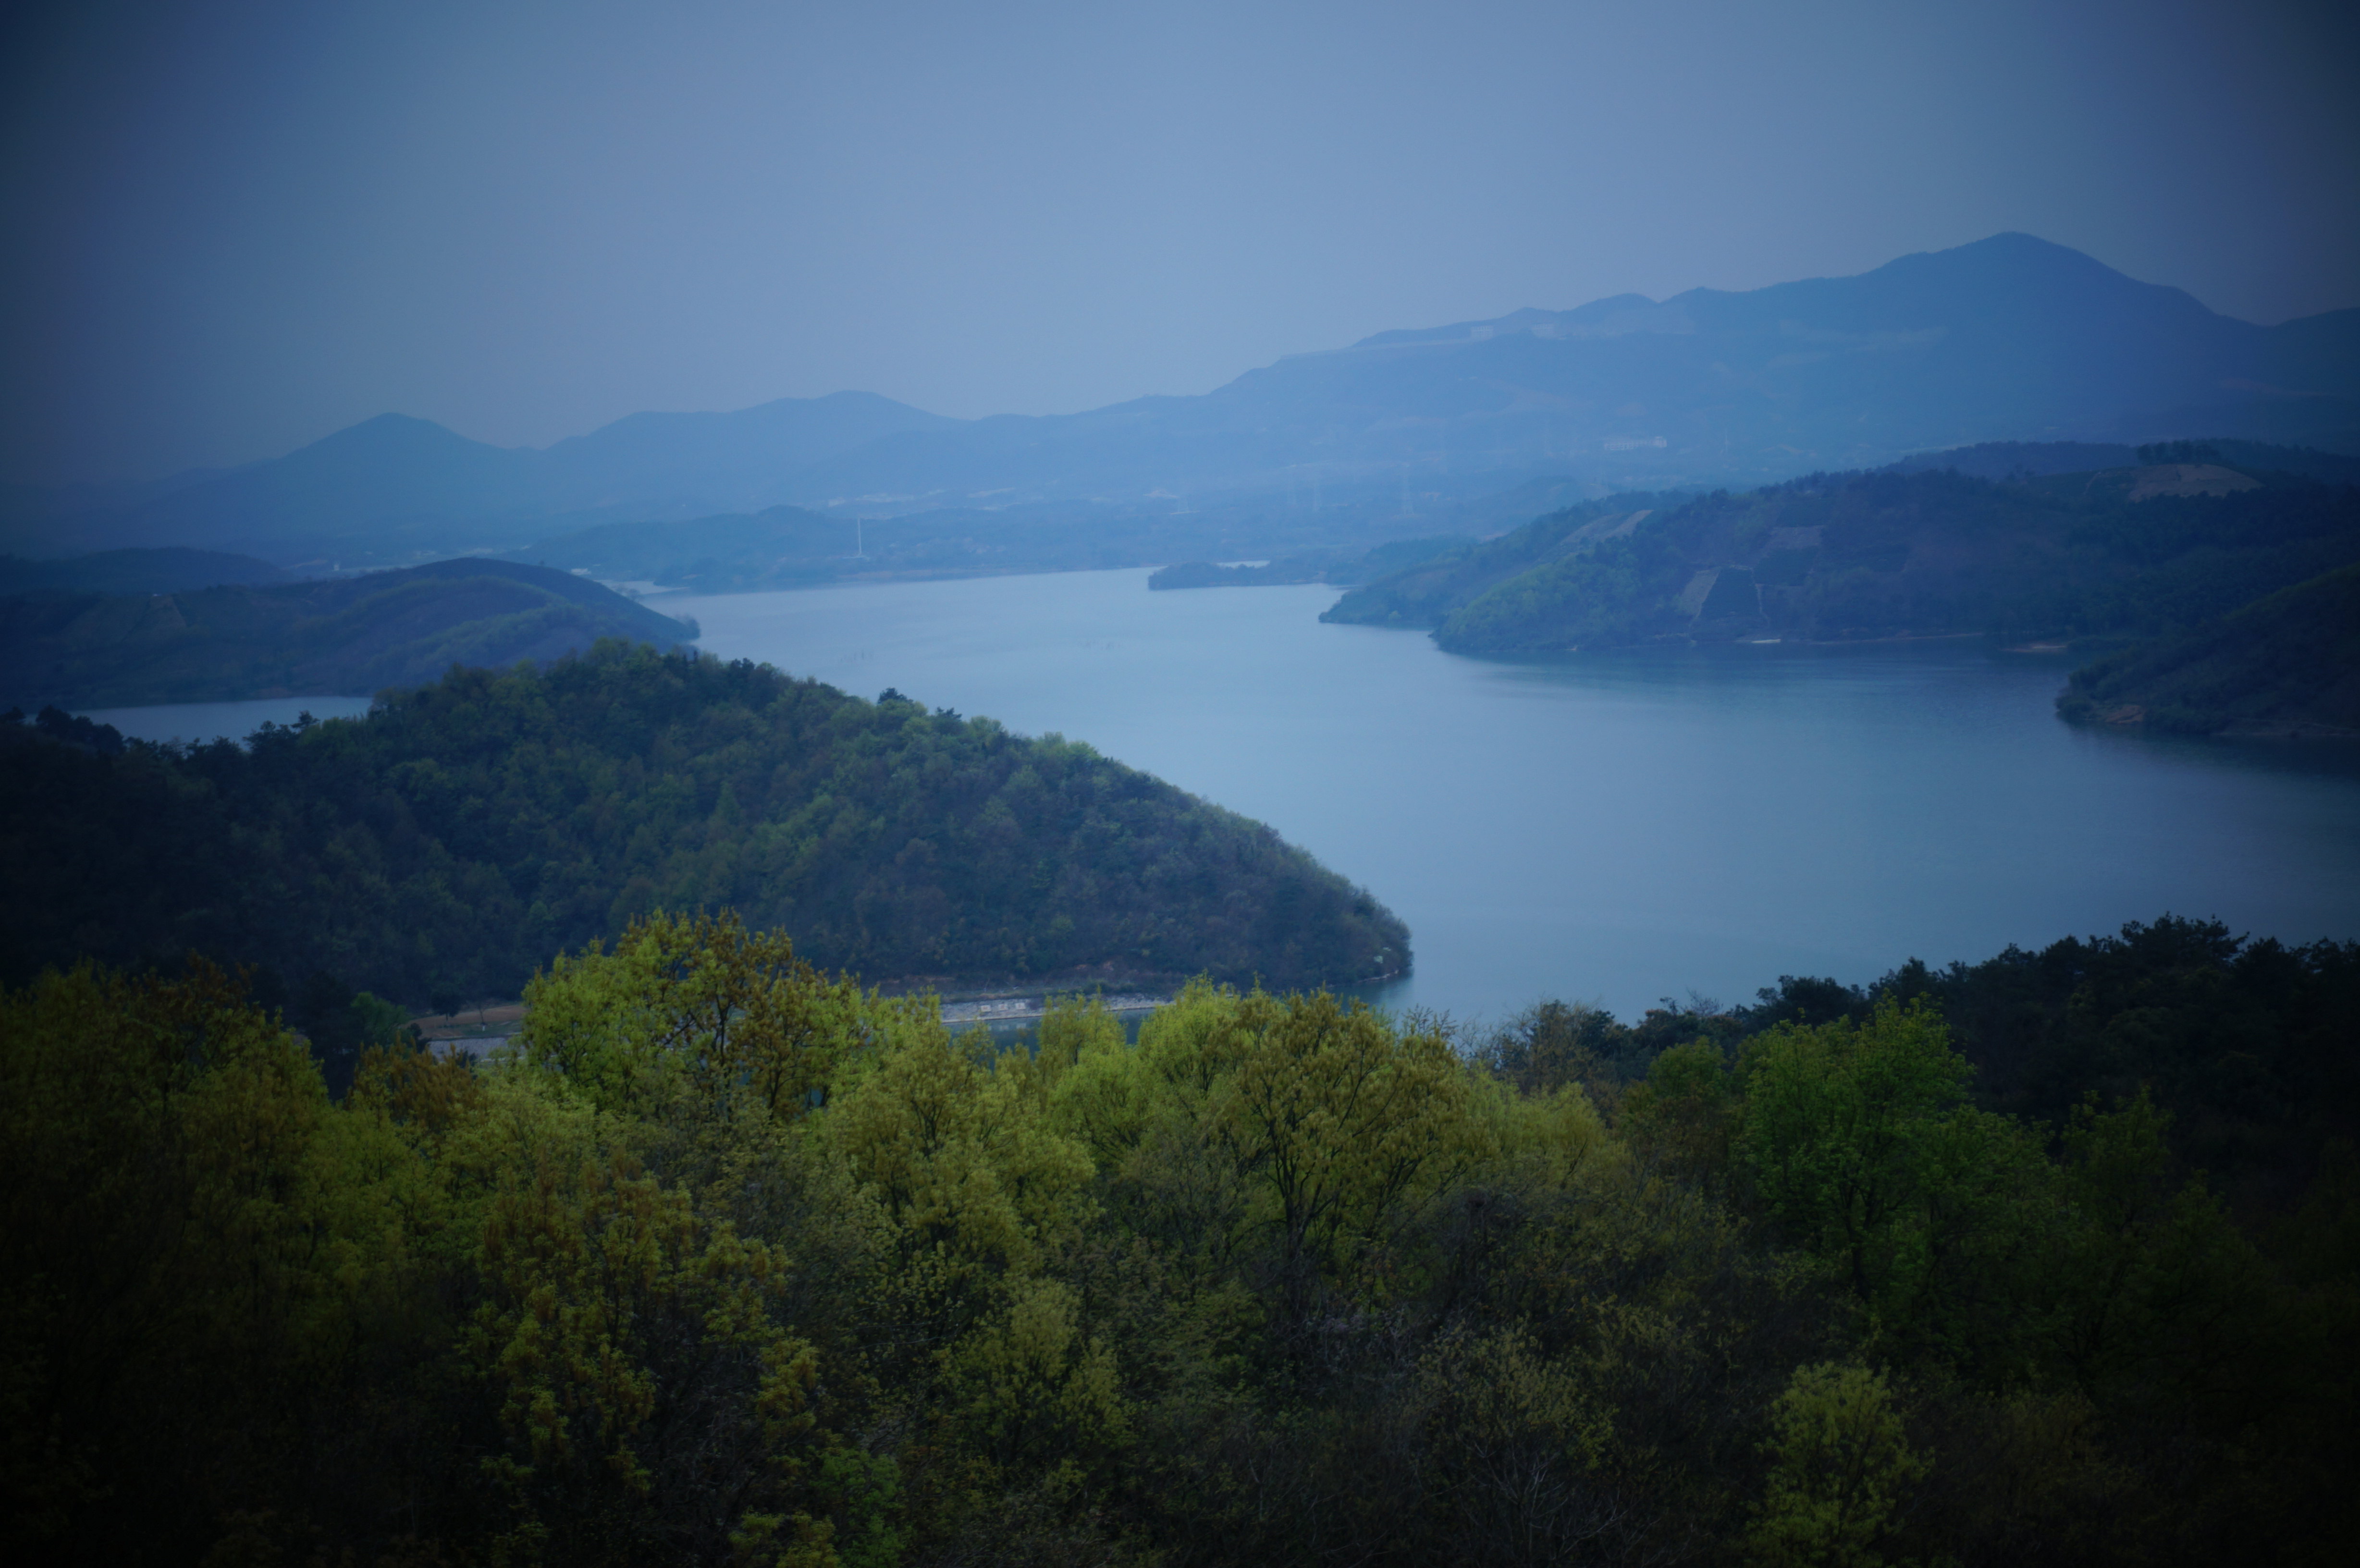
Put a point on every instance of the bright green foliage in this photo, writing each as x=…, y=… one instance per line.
x=730, y=1263
x=949, y=1136
x=693, y=1013
x=1339, y=1123
x=1032, y=1384
x=633, y=1345
x=1859, y=1143
x=1840, y=1464
x=1303, y=1133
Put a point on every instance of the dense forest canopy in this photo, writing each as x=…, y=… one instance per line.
x=727, y=1262
x=464, y=831
x=343, y=635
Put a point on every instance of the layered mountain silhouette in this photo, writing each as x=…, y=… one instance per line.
x=2010, y=338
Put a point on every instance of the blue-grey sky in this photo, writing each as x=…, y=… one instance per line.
x=238, y=226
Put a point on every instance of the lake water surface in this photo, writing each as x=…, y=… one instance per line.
x=1613, y=828
x=1617, y=828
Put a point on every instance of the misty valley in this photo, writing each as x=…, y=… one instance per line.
x=1384, y=965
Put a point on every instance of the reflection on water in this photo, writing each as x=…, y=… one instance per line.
x=1620, y=827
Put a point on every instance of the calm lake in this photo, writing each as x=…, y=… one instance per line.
x=1617, y=828
x=1613, y=828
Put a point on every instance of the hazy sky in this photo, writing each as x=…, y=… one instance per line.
x=236, y=227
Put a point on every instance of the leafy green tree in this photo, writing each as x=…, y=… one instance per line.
x=1858, y=1142
x=636, y=1354
x=1840, y=1466
x=729, y=1261
x=695, y=1013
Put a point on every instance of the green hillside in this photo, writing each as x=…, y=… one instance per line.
x=1831, y=558
x=350, y=635
x=463, y=833
x=2285, y=664
x=1424, y=592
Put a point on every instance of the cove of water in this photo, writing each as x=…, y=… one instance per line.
x=1626, y=827
x=1613, y=828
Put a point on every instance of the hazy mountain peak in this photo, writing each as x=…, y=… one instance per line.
x=2005, y=272
x=2011, y=338
x=393, y=433
x=2019, y=280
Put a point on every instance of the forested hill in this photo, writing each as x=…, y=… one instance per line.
x=464, y=831
x=1424, y=592
x=347, y=635
x=2285, y=664
x=2125, y=552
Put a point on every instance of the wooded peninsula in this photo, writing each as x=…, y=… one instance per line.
x=463, y=832
x=2224, y=555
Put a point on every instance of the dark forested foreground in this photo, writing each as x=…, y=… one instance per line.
x=727, y=1263
x=464, y=831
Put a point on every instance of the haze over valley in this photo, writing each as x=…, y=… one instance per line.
x=1464, y=429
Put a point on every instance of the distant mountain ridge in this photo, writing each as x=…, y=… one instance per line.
x=394, y=481
x=2011, y=338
